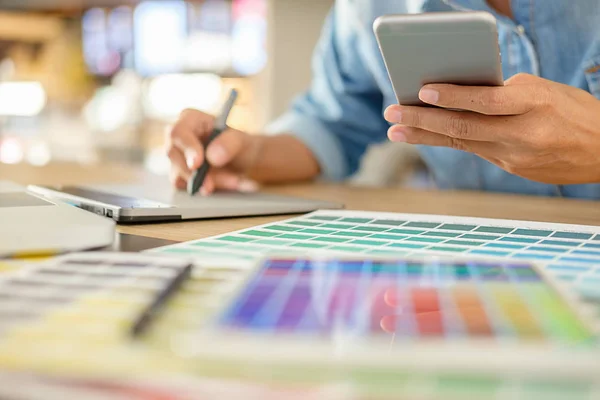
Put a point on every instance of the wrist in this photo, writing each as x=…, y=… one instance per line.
x=280, y=158
x=254, y=154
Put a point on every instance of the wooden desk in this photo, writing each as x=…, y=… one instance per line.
x=472, y=204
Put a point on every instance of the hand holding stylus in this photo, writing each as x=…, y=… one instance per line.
x=201, y=146
x=198, y=176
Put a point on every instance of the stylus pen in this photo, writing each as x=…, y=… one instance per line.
x=198, y=177
x=150, y=314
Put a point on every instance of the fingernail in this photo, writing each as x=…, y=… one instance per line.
x=429, y=96
x=397, y=135
x=204, y=192
x=394, y=116
x=217, y=154
x=248, y=186
x=190, y=159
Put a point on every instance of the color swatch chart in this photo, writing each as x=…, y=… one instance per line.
x=410, y=299
x=74, y=314
x=571, y=252
x=34, y=294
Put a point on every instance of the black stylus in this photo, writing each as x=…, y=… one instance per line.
x=198, y=177
x=149, y=315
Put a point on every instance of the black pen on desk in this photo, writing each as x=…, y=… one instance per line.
x=198, y=176
x=161, y=299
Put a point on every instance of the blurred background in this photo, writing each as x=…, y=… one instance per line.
x=94, y=81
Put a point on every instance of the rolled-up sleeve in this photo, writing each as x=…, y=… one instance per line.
x=341, y=113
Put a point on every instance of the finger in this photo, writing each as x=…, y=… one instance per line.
x=178, y=182
x=225, y=148
x=226, y=180
x=198, y=122
x=502, y=100
x=404, y=134
x=187, y=135
x=190, y=147
x=178, y=162
x=460, y=125
x=208, y=187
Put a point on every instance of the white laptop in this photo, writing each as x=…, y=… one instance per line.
x=30, y=225
x=158, y=202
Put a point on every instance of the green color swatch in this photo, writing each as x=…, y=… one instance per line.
x=260, y=233
x=389, y=222
x=369, y=242
x=457, y=227
x=369, y=229
x=309, y=245
x=494, y=229
x=424, y=239
x=560, y=243
x=236, y=239
x=283, y=228
x=449, y=249
x=480, y=237
x=324, y=218
x=517, y=240
x=442, y=234
x=356, y=220
x=464, y=243
x=572, y=235
x=350, y=234
x=387, y=236
x=331, y=239
x=532, y=232
x=426, y=225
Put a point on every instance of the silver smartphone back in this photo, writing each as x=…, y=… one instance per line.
x=454, y=47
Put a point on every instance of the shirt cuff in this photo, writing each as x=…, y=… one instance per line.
x=323, y=144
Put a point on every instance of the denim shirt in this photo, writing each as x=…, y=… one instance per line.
x=341, y=114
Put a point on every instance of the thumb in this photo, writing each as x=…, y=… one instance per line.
x=226, y=148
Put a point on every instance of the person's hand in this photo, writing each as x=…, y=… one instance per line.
x=231, y=155
x=531, y=127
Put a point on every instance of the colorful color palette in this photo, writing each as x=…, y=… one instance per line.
x=572, y=252
x=35, y=294
x=411, y=299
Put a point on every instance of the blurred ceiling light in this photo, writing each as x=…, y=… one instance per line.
x=11, y=151
x=38, y=154
x=249, y=36
x=168, y=95
x=22, y=99
x=160, y=32
x=249, y=45
x=209, y=42
x=120, y=29
x=208, y=51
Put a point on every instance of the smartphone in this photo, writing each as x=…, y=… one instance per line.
x=459, y=48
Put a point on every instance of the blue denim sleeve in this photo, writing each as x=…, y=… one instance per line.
x=341, y=113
